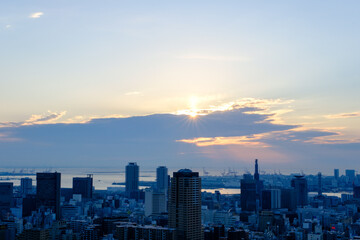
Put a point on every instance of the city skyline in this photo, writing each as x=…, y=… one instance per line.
x=180, y=84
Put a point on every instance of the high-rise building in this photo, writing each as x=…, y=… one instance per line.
x=271, y=199
x=132, y=178
x=319, y=184
x=356, y=192
x=155, y=202
x=26, y=186
x=162, y=179
x=185, y=205
x=288, y=198
x=299, y=183
x=6, y=196
x=48, y=191
x=251, y=188
x=248, y=193
x=350, y=174
x=83, y=186
x=336, y=174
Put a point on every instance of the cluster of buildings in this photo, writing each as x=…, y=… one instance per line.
x=176, y=208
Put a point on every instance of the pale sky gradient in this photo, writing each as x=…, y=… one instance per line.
x=72, y=61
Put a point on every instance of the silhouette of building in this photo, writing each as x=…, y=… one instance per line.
x=356, y=192
x=299, y=183
x=83, y=186
x=26, y=186
x=48, y=191
x=6, y=197
x=251, y=188
x=271, y=199
x=350, y=174
x=319, y=184
x=248, y=193
x=132, y=179
x=288, y=198
x=336, y=174
x=162, y=179
x=185, y=205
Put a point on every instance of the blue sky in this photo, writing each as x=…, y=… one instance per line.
x=74, y=61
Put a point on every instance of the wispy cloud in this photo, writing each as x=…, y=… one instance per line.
x=36, y=15
x=8, y=26
x=213, y=58
x=48, y=118
x=344, y=115
x=132, y=93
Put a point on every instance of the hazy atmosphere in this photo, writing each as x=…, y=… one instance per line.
x=205, y=83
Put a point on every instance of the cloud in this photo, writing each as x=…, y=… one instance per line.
x=50, y=117
x=8, y=26
x=36, y=15
x=222, y=136
x=132, y=93
x=344, y=115
x=213, y=58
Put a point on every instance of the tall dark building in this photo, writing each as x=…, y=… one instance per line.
x=248, y=193
x=251, y=188
x=356, y=191
x=48, y=191
x=336, y=174
x=26, y=186
x=319, y=184
x=83, y=186
x=288, y=199
x=162, y=179
x=299, y=183
x=132, y=178
x=6, y=197
x=256, y=174
x=185, y=205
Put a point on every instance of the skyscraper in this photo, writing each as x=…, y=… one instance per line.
x=162, y=179
x=26, y=185
x=185, y=205
x=299, y=184
x=319, y=184
x=350, y=174
x=248, y=193
x=48, y=191
x=83, y=186
x=336, y=174
x=271, y=199
x=132, y=178
x=6, y=196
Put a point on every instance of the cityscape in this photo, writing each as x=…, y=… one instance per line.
x=179, y=120
x=175, y=206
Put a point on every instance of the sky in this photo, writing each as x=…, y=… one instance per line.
x=180, y=83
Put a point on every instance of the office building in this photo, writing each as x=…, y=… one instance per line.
x=248, y=193
x=162, y=179
x=132, y=179
x=350, y=174
x=48, y=191
x=185, y=205
x=83, y=186
x=299, y=183
x=271, y=199
x=356, y=192
x=288, y=198
x=6, y=197
x=155, y=202
x=319, y=184
x=336, y=174
x=26, y=186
